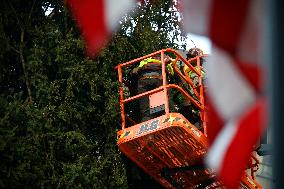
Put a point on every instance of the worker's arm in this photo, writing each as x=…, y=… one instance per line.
x=141, y=64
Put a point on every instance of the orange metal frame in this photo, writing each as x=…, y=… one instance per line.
x=152, y=145
x=183, y=131
x=165, y=86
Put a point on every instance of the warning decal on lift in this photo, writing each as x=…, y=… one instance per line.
x=148, y=127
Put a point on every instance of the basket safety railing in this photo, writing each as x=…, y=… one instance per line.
x=198, y=103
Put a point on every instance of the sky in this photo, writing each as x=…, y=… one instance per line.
x=201, y=42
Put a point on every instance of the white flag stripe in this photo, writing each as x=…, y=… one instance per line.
x=229, y=91
x=232, y=88
x=196, y=16
x=218, y=149
x=115, y=10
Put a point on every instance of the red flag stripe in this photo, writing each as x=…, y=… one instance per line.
x=249, y=127
x=227, y=21
x=98, y=19
x=90, y=17
x=235, y=142
x=233, y=94
x=216, y=122
x=234, y=82
x=242, y=35
x=218, y=149
x=250, y=46
x=250, y=43
x=227, y=88
x=236, y=27
x=253, y=74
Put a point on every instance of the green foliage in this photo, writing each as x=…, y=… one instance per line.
x=59, y=110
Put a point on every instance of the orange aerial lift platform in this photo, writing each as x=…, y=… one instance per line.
x=168, y=147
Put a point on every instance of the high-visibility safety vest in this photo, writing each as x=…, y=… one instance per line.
x=150, y=60
x=170, y=68
x=190, y=72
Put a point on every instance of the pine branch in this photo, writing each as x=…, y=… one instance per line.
x=16, y=15
x=23, y=62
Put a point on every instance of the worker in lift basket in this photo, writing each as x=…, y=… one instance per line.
x=149, y=75
x=192, y=53
x=187, y=107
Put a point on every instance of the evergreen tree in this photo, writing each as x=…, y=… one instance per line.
x=59, y=110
